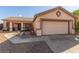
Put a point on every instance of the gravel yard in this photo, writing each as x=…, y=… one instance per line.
x=31, y=47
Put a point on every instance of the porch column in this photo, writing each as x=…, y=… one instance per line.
x=10, y=26
x=22, y=26
x=4, y=25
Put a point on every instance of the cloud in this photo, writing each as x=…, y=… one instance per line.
x=20, y=15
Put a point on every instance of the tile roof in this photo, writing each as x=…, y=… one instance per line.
x=19, y=18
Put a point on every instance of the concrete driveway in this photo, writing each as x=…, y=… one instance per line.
x=57, y=43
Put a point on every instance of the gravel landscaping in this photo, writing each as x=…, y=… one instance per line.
x=6, y=46
x=39, y=47
x=32, y=47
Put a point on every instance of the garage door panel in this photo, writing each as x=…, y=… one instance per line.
x=54, y=27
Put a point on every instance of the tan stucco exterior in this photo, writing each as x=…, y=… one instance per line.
x=53, y=21
x=52, y=15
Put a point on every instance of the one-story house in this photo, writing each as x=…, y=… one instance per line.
x=53, y=21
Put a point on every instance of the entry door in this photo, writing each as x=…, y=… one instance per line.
x=54, y=27
x=16, y=26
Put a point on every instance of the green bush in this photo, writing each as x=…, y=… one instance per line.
x=22, y=30
x=25, y=30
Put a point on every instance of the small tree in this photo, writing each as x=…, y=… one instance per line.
x=76, y=12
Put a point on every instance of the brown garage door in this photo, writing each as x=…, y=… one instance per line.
x=54, y=27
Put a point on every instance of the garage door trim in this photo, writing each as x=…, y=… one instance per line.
x=41, y=24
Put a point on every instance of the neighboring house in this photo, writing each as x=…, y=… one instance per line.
x=53, y=21
x=17, y=23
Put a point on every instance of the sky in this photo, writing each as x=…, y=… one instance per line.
x=27, y=11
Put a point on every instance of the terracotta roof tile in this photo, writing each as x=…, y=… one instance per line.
x=19, y=18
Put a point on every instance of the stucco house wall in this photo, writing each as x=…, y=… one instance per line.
x=52, y=15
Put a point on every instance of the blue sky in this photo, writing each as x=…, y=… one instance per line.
x=27, y=11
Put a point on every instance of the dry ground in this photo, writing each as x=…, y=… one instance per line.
x=33, y=47
x=49, y=44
